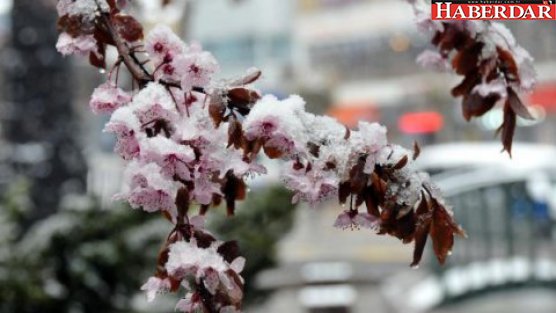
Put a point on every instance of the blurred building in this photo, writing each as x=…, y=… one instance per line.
x=363, y=53
x=243, y=34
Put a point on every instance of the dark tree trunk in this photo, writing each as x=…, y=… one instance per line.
x=41, y=123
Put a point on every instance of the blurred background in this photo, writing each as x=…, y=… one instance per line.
x=66, y=247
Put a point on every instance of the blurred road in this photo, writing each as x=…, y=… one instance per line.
x=516, y=301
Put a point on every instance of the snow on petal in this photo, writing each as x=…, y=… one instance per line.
x=163, y=45
x=196, y=69
x=154, y=103
x=107, y=98
x=173, y=158
x=80, y=45
x=126, y=126
x=154, y=286
x=145, y=187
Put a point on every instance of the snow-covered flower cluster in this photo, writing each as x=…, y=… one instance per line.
x=208, y=272
x=495, y=67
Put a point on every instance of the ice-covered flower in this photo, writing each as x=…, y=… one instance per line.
x=163, y=45
x=354, y=219
x=145, y=187
x=278, y=123
x=154, y=286
x=205, y=187
x=107, y=98
x=80, y=45
x=173, y=158
x=185, y=255
x=126, y=126
x=196, y=69
x=186, y=260
x=373, y=140
x=154, y=103
x=313, y=186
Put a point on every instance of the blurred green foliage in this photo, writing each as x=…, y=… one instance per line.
x=87, y=259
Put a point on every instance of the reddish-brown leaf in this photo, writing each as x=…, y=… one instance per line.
x=379, y=186
x=507, y=129
x=371, y=201
x=235, y=133
x=75, y=26
x=474, y=104
x=229, y=250
x=344, y=190
x=401, y=163
x=442, y=231
x=357, y=177
x=517, y=106
x=273, y=152
x=247, y=79
x=216, y=109
x=204, y=240
x=416, y=150
x=127, y=27
x=466, y=60
x=509, y=65
x=234, y=188
x=466, y=85
x=98, y=58
x=422, y=227
x=242, y=99
x=182, y=202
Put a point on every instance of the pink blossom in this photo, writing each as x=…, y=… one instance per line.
x=373, y=139
x=188, y=261
x=154, y=103
x=154, y=286
x=354, y=220
x=126, y=126
x=314, y=186
x=107, y=98
x=146, y=188
x=172, y=157
x=280, y=123
x=81, y=45
x=196, y=69
x=205, y=188
x=163, y=45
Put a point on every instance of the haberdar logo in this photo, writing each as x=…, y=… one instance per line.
x=493, y=9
